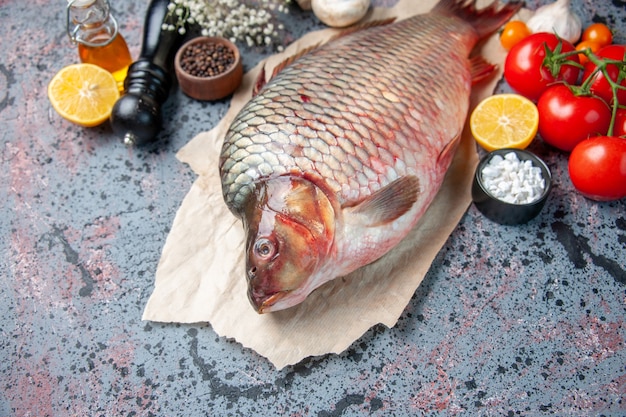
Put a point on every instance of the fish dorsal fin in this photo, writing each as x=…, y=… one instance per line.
x=281, y=66
x=362, y=26
x=260, y=80
x=259, y=83
x=480, y=68
x=485, y=21
x=388, y=203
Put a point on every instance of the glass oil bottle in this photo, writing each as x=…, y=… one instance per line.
x=91, y=25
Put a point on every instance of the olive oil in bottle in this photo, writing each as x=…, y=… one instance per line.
x=91, y=25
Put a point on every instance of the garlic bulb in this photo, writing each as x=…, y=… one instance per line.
x=556, y=18
x=340, y=13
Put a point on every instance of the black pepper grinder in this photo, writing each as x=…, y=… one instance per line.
x=136, y=116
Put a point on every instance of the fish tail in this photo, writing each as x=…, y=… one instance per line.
x=486, y=20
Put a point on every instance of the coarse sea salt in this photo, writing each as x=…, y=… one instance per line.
x=513, y=181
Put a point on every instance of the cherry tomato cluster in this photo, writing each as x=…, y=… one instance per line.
x=580, y=91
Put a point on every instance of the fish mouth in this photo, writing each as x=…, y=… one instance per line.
x=263, y=302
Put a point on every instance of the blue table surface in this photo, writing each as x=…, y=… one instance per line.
x=510, y=320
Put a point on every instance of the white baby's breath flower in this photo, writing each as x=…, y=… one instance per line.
x=252, y=22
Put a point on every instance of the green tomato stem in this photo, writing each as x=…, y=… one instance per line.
x=555, y=59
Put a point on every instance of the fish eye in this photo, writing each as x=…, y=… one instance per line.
x=264, y=248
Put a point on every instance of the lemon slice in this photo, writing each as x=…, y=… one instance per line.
x=504, y=121
x=83, y=94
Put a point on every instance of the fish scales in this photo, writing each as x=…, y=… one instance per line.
x=383, y=76
x=339, y=155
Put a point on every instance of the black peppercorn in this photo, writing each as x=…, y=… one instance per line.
x=207, y=59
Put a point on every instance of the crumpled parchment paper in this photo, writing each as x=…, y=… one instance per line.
x=200, y=276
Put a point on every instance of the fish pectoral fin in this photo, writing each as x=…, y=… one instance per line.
x=388, y=203
x=446, y=154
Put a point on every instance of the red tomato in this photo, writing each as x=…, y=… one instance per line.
x=599, y=85
x=619, y=128
x=566, y=119
x=597, y=168
x=524, y=68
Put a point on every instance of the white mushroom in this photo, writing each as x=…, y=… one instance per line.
x=340, y=13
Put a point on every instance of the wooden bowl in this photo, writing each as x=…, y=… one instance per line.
x=203, y=85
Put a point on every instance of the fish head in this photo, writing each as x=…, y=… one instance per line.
x=289, y=224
